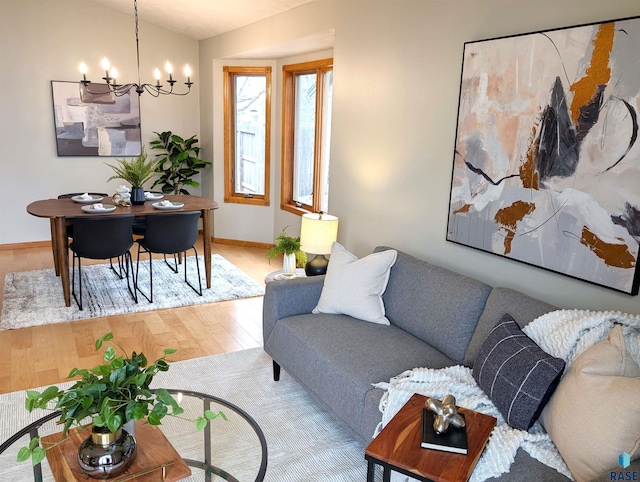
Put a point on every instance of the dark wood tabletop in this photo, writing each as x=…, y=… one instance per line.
x=68, y=208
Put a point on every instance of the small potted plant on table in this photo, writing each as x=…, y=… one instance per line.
x=290, y=248
x=108, y=397
x=136, y=172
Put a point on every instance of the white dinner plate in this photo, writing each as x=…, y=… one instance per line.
x=80, y=199
x=106, y=208
x=164, y=207
x=153, y=196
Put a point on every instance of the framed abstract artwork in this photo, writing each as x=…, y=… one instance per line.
x=95, y=123
x=546, y=167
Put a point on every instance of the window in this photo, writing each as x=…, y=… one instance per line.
x=306, y=135
x=247, y=132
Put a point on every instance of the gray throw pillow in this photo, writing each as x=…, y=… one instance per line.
x=517, y=375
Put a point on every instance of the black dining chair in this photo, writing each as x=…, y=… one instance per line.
x=169, y=233
x=104, y=237
x=137, y=229
x=69, y=195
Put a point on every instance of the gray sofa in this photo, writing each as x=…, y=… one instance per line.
x=337, y=358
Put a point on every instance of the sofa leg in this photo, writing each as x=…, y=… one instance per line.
x=276, y=371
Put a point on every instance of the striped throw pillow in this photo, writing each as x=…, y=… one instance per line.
x=517, y=375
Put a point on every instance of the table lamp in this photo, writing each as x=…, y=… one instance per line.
x=317, y=232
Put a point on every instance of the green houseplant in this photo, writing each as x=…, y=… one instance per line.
x=178, y=163
x=290, y=248
x=136, y=172
x=109, y=395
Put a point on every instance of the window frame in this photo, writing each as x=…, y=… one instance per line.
x=230, y=194
x=289, y=72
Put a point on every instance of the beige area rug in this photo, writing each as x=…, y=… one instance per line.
x=33, y=298
x=304, y=443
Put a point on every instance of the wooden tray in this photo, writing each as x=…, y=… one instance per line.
x=154, y=452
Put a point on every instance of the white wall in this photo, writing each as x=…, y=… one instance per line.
x=397, y=68
x=43, y=41
x=240, y=221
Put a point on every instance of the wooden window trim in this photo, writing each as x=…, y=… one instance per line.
x=230, y=194
x=320, y=67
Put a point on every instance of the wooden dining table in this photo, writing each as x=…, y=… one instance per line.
x=61, y=213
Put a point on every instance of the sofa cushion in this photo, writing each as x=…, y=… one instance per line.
x=436, y=305
x=339, y=358
x=354, y=286
x=594, y=415
x=521, y=307
x=527, y=469
x=516, y=374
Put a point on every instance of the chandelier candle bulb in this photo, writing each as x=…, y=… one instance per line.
x=83, y=71
x=157, y=75
x=105, y=64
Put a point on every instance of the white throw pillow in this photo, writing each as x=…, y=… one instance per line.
x=594, y=414
x=355, y=286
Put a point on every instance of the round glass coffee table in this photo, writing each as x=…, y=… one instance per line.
x=234, y=450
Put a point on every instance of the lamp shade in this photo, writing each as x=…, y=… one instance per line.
x=318, y=232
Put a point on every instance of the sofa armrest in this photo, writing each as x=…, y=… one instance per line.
x=284, y=298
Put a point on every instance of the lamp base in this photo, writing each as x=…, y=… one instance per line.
x=317, y=266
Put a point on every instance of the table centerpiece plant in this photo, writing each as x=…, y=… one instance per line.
x=178, y=162
x=109, y=396
x=136, y=172
x=290, y=248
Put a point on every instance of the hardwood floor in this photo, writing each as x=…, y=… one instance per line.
x=39, y=356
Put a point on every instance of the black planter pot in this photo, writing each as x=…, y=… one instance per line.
x=137, y=196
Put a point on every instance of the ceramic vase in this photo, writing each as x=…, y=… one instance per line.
x=289, y=265
x=106, y=454
x=137, y=196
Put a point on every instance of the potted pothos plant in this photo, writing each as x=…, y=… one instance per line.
x=290, y=248
x=109, y=396
x=178, y=162
x=136, y=172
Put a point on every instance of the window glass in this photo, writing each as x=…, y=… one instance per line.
x=250, y=128
x=304, y=138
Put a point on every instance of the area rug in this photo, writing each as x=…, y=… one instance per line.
x=304, y=442
x=33, y=298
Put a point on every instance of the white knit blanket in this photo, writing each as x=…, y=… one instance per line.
x=564, y=334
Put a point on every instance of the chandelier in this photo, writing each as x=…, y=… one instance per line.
x=155, y=90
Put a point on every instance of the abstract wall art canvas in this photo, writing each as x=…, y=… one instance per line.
x=546, y=167
x=95, y=122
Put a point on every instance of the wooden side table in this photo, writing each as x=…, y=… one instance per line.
x=397, y=447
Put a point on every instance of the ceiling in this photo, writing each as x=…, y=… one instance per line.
x=202, y=19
